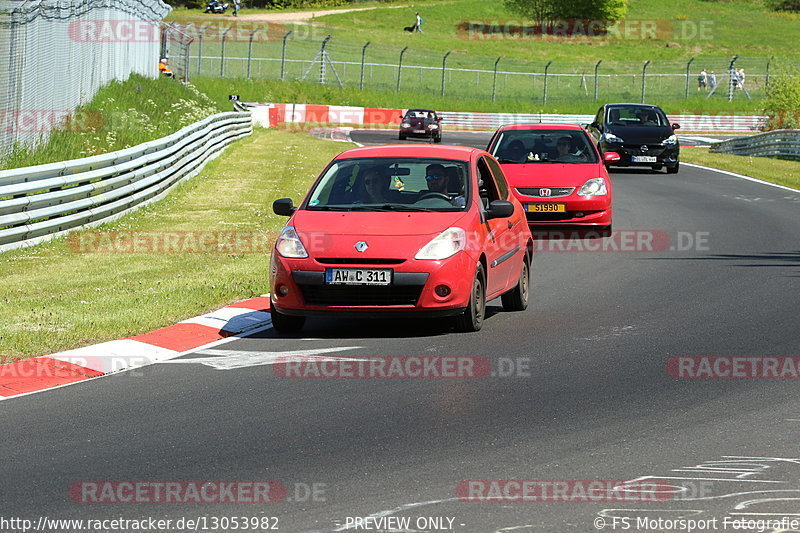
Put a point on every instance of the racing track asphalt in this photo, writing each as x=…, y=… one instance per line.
x=597, y=402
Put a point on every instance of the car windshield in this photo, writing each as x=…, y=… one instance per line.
x=543, y=146
x=391, y=184
x=636, y=116
x=419, y=114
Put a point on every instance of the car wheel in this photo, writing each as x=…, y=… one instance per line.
x=402, y=137
x=437, y=139
x=517, y=298
x=674, y=169
x=472, y=318
x=286, y=323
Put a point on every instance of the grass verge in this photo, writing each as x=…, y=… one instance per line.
x=113, y=295
x=121, y=115
x=781, y=171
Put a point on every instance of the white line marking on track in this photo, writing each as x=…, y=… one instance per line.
x=233, y=359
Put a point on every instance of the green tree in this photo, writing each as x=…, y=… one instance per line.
x=543, y=10
x=782, y=104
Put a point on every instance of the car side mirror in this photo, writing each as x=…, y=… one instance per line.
x=283, y=207
x=595, y=125
x=500, y=209
x=610, y=157
x=676, y=126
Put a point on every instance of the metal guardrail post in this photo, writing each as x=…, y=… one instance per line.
x=597, y=66
x=644, y=77
x=766, y=78
x=688, y=66
x=222, y=53
x=363, y=56
x=494, y=79
x=444, y=68
x=250, y=51
x=400, y=67
x=544, y=90
x=200, y=47
x=283, y=52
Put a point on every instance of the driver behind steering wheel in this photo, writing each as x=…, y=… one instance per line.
x=566, y=150
x=436, y=177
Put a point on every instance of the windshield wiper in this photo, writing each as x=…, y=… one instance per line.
x=391, y=207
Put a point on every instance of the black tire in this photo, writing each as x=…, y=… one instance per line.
x=517, y=298
x=674, y=169
x=472, y=318
x=437, y=139
x=402, y=137
x=286, y=323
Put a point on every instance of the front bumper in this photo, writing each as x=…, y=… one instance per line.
x=579, y=211
x=665, y=155
x=412, y=132
x=411, y=290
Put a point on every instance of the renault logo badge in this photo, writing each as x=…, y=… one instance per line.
x=361, y=246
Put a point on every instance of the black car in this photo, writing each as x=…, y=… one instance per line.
x=640, y=133
x=421, y=123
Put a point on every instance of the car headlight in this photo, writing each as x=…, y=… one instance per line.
x=611, y=138
x=593, y=187
x=672, y=139
x=290, y=245
x=433, y=126
x=405, y=125
x=444, y=245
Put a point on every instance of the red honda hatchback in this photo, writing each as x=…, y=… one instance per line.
x=557, y=173
x=427, y=231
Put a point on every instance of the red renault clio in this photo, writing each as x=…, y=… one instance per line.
x=557, y=173
x=427, y=231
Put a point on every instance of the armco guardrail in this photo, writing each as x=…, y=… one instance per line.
x=45, y=201
x=777, y=143
x=268, y=115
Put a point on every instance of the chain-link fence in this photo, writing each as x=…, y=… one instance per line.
x=56, y=54
x=269, y=52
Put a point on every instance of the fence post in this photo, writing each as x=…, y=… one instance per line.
x=688, y=65
x=444, y=68
x=544, y=91
x=283, y=52
x=400, y=67
x=644, y=77
x=766, y=78
x=222, y=54
x=250, y=51
x=597, y=66
x=731, y=74
x=363, y=54
x=200, y=47
x=494, y=80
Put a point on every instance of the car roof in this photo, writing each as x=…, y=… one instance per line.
x=462, y=153
x=420, y=109
x=649, y=106
x=540, y=126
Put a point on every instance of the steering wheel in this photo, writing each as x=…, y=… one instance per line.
x=434, y=194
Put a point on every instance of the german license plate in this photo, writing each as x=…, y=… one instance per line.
x=644, y=158
x=358, y=276
x=548, y=207
x=419, y=131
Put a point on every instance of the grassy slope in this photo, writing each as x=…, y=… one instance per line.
x=124, y=114
x=121, y=294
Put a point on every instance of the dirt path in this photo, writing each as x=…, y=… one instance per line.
x=302, y=16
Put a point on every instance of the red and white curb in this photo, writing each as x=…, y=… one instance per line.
x=63, y=368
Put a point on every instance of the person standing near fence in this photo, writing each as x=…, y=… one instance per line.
x=712, y=80
x=740, y=76
x=419, y=22
x=236, y=7
x=702, y=80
